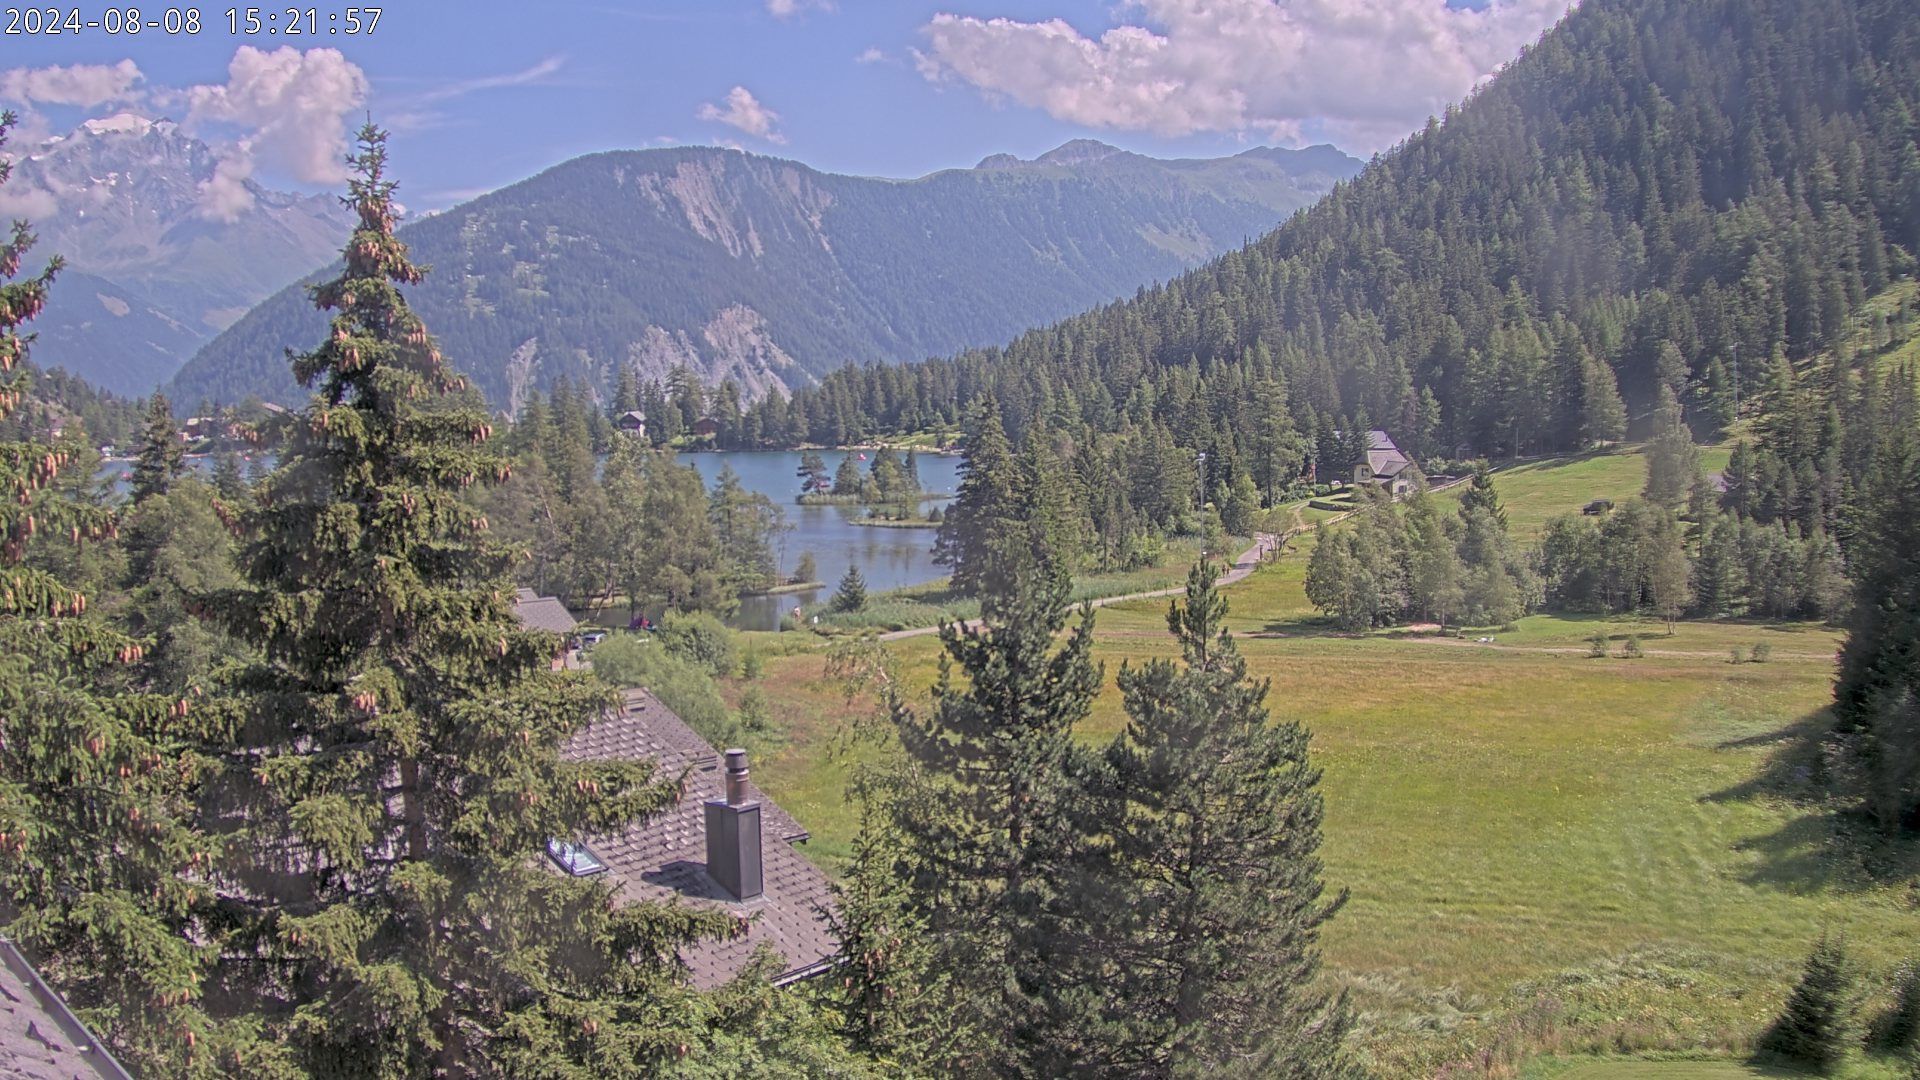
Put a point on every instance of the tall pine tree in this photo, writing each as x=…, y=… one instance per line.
x=391, y=772
x=985, y=511
x=983, y=816
x=1876, y=701
x=1201, y=923
x=99, y=860
x=161, y=457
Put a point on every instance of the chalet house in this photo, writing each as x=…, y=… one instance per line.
x=1387, y=466
x=538, y=612
x=723, y=845
x=706, y=428
x=197, y=428
x=633, y=422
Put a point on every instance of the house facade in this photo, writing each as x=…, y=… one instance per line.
x=1387, y=466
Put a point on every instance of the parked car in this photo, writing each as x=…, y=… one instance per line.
x=591, y=638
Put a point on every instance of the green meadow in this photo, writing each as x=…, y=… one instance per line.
x=1548, y=856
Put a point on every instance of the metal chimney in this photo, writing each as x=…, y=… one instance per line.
x=733, y=834
x=736, y=777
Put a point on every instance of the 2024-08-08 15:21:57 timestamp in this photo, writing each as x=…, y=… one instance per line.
x=188, y=21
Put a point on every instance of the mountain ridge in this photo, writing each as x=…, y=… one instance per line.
x=124, y=199
x=771, y=273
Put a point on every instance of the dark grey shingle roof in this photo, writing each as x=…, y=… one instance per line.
x=666, y=857
x=40, y=1039
x=1384, y=457
x=543, y=612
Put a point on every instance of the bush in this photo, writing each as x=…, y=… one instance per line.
x=1736, y=655
x=1597, y=644
x=699, y=638
x=1816, y=1026
x=752, y=664
x=753, y=714
x=624, y=660
x=1762, y=653
x=806, y=569
x=1632, y=650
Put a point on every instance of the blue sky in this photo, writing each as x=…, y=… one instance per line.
x=484, y=93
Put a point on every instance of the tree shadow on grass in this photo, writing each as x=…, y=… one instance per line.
x=1305, y=626
x=1826, y=844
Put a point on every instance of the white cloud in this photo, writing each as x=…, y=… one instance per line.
x=787, y=9
x=85, y=85
x=870, y=55
x=744, y=112
x=225, y=195
x=20, y=201
x=292, y=107
x=1368, y=70
x=420, y=111
x=536, y=74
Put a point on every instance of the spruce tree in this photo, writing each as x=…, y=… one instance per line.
x=390, y=767
x=852, y=593
x=1876, y=700
x=1672, y=459
x=1481, y=495
x=1603, y=416
x=1206, y=912
x=1816, y=1026
x=983, y=819
x=848, y=480
x=984, y=512
x=99, y=859
x=161, y=457
x=228, y=481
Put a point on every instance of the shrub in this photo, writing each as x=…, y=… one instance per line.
x=624, y=660
x=1736, y=655
x=699, y=638
x=752, y=664
x=1762, y=653
x=1632, y=650
x=1597, y=644
x=806, y=569
x=752, y=713
x=1815, y=1027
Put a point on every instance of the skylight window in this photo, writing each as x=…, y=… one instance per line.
x=575, y=859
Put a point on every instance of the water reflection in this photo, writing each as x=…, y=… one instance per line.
x=887, y=558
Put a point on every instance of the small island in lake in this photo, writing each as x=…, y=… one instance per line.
x=881, y=480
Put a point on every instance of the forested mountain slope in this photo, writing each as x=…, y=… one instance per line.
x=769, y=273
x=1660, y=191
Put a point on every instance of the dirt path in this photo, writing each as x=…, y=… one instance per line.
x=1241, y=568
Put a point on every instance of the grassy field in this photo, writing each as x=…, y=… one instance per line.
x=1547, y=854
x=926, y=605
